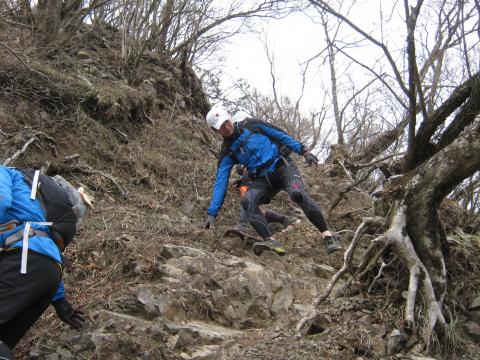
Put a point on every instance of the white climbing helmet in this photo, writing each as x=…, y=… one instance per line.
x=216, y=117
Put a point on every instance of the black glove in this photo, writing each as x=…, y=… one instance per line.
x=210, y=222
x=68, y=314
x=310, y=159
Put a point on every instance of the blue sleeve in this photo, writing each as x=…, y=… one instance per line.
x=60, y=294
x=281, y=136
x=221, y=184
x=5, y=190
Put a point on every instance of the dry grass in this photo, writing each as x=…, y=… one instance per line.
x=167, y=170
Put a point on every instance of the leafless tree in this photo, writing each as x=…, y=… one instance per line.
x=286, y=113
x=441, y=112
x=356, y=121
x=184, y=30
x=50, y=18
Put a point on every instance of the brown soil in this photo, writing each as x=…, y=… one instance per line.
x=148, y=158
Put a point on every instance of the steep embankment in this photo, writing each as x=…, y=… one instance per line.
x=152, y=282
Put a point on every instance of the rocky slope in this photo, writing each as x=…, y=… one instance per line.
x=152, y=282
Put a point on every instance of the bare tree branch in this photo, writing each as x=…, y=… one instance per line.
x=324, y=6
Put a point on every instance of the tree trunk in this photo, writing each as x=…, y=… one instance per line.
x=48, y=19
x=415, y=232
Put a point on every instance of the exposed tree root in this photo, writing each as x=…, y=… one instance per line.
x=347, y=257
x=383, y=266
x=370, y=258
x=419, y=278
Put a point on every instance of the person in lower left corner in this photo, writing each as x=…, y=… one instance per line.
x=36, y=224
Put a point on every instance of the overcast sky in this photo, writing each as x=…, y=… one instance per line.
x=292, y=40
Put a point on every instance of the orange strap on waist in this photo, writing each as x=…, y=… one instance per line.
x=243, y=189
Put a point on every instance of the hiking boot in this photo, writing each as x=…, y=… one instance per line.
x=269, y=244
x=289, y=222
x=331, y=244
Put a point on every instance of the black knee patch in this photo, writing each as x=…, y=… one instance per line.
x=297, y=196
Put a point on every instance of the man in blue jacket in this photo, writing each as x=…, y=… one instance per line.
x=262, y=148
x=30, y=258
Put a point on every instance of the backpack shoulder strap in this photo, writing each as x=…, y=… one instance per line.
x=226, y=151
x=249, y=124
x=28, y=176
x=238, y=127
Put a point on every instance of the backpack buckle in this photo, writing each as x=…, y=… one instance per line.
x=8, y=226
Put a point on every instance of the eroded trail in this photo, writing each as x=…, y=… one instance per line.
x=204, y=299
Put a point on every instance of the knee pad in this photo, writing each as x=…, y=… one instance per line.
x=297, y=196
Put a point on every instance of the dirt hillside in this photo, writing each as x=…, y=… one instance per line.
x=153, y=283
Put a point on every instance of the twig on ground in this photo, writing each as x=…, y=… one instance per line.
x=150, y=120
x=25, y=146
x=15, y=23
x=20, y=152
x=351, y=186
x=14, y=53
x=122, y=134
x=72, y=158
x=89, y=170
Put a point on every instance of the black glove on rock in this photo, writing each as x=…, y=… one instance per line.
x=68, y=314
x=210, y=222
x=310, y=159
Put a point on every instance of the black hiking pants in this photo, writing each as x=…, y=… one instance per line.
x=262, y=190
x=24, y=297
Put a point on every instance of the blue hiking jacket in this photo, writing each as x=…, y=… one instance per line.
x=254, y=145
x=15, y=204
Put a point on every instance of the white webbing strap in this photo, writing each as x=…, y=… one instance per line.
x=33, y=194
x=26, y=231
